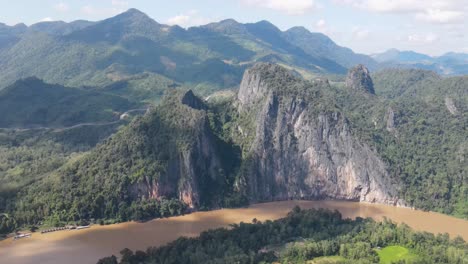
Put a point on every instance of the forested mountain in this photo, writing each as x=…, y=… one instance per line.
x=30, y=103
x=397, y=138
x=205, y=58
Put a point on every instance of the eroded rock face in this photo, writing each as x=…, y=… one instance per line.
x=191, y=168
x=451, y=106
x=298, y=153
x=390, y=117
x=359, y=79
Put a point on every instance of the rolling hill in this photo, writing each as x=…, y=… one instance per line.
x=32, y=103
x=206, y=58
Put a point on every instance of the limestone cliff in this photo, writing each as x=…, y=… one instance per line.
x=359, y=79
x=193, y=163
x=302, y=149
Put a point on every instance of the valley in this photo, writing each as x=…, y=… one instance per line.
x=149, y=131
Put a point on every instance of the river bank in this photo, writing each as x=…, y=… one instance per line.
x=87, y=246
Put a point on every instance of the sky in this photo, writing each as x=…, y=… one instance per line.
x=367, y=26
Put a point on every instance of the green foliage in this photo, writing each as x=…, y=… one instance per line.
x=31, y=102
x=425, y=149
x=392, y=254
x=324, y=233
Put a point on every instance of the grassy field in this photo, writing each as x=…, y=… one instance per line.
x=395, y=253
x=327, y=260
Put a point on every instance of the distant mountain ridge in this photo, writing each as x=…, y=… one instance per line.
x=450, y=63
x=83, y=53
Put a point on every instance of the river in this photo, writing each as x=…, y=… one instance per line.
x=88, y=245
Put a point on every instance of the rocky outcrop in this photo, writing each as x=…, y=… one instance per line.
x=451, y=106
x=391, y=118
x=299, y=153
x=359, y=79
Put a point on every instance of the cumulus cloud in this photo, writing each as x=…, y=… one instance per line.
x=435, y=11
x=188, y=19
x=321, y=23
x=290, y=7
x=47, y=19
x=322, y=27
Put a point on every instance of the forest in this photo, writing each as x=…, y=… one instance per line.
x=302, y=236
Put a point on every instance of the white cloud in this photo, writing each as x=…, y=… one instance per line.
x=188, y=19
x=47, y=19
x=434, y=11
x=440, y=16
x=290, y=7
x=179, y=20
x=423, y=38
x=321, y=23
x=62, y=7
x=322, y=27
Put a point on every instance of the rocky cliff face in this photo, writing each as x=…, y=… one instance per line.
x=193, y=163
x=300, y=152
x=359, y=79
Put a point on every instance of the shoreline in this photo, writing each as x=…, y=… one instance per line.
x=93, y=225
x=89, y=245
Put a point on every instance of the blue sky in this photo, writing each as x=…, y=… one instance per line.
x=366, y=26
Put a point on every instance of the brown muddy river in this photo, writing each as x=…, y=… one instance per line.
x=87, y=246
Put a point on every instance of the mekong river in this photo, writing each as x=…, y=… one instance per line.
x=88, y=245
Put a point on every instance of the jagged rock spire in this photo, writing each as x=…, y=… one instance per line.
x=359, y=79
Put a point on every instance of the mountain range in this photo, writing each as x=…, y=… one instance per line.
x=83, y=53
x=447, y=64
x=237, y=113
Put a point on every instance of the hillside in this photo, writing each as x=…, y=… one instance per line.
x=205, y=58
x=32, y=103
x=395, y=139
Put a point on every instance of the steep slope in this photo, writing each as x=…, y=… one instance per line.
x=303, y=146
x=31, y=102
x=319, y=44
x=170, y=153
x=359, y=78
x=418, y=124
x=83, y=53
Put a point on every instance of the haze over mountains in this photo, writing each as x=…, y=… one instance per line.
x=448, y=64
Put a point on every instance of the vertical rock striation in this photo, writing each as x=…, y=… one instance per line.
x=300, y=151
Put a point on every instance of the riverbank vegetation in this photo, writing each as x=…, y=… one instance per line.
x=305, y=236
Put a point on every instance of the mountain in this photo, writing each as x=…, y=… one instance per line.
x=279, y=137
x=97, y=54
x=401, y=56
x=59, y=28
x=185, y=151
x=447, y=64
x=303, y=146
x=31, y=103
x=319, y=44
